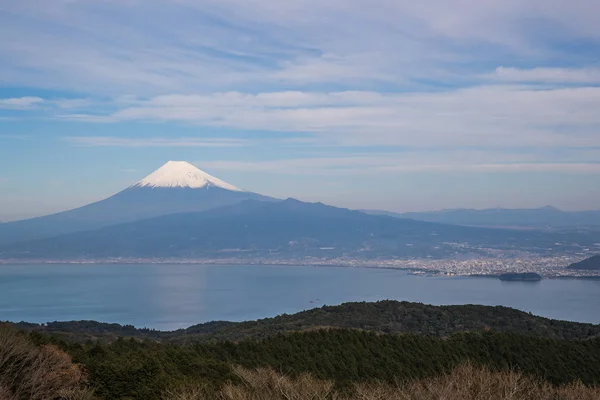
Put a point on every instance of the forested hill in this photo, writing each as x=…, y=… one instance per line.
x=383, y=316
x=132, y=370
x=589, y=264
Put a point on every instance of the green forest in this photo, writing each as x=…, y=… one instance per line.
x=133, y=369
x=349, y=345
x=382, y=316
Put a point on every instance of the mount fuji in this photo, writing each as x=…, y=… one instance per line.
x=287, y=229
x=176, y=187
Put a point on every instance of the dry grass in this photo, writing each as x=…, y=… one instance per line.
x=37, y=372
x=263, y=384
x=474, y=383
x=465, y=382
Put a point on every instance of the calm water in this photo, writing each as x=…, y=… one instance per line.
x=174, y=296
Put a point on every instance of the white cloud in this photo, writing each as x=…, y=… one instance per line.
x=446, y=161
x=497, y=74
x=107, y=141
x=483, y=115
x=187, y=46
x=20, y=103
x=74, y=103
x=548, y=75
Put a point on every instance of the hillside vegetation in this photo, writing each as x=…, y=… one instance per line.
x=324, y=364
x=133, y=369
x=383, y=316
x=465, y=382
x=306, y=349
x=43, y=372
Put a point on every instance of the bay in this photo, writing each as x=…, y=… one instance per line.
x=174, y=296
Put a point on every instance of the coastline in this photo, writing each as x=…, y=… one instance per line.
x=389, y=264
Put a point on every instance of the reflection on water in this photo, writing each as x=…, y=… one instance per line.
x=174, y=296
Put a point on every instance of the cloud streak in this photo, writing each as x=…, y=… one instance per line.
x=326, y=87
x=107, y=141
x=186, y=46
x=407, y=162
x=20, y=103
x=548, y=75
x=484, y=115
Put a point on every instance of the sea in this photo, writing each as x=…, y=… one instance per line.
x=169, y=297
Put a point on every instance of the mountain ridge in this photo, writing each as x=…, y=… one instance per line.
x=542, y=217
x=178, y=187
x=289, y=228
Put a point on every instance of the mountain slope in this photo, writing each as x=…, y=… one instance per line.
x=589, y=264
x=176, y=187
x=501, y=217
x=283, y=228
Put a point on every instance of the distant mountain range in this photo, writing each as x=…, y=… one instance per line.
x=589, y=264
x=280, y=228
x=179, y=211
x=544, y=217
x=174, y=188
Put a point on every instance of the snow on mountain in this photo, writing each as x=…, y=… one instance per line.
x=185, y=175
x=176, y=187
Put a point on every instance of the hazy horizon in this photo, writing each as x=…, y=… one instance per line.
x=16, y=217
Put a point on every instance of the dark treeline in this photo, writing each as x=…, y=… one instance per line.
x=383, y=316
x=133, y=369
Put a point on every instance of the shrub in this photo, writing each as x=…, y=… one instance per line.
x=465, y=382
x=35, y=372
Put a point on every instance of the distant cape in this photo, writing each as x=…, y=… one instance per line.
x=589, y=264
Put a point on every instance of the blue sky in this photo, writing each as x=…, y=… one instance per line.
x=397, y=105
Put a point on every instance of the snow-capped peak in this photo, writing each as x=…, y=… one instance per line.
x=185, y=175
